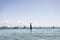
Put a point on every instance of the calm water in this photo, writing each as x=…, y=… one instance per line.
x=25, y=34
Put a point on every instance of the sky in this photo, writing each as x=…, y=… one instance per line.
x=45, y=13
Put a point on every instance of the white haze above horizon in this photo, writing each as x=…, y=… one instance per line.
x=22, y=12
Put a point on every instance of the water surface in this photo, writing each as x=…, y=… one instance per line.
x=25, y=34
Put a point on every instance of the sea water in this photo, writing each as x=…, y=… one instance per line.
x=25, y=34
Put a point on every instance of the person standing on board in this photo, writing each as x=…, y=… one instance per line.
x=30, y=27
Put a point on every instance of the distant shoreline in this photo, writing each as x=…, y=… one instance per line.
x=29, y=27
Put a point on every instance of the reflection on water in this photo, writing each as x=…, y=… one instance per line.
x=25, y=34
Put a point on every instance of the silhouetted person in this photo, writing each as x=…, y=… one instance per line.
x=30, y=27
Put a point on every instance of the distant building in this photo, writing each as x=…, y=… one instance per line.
x=15, y=27
x=53, y=27
x=24, y=27
x=4, y=27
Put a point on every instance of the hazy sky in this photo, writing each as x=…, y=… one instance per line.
x=22, y=12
